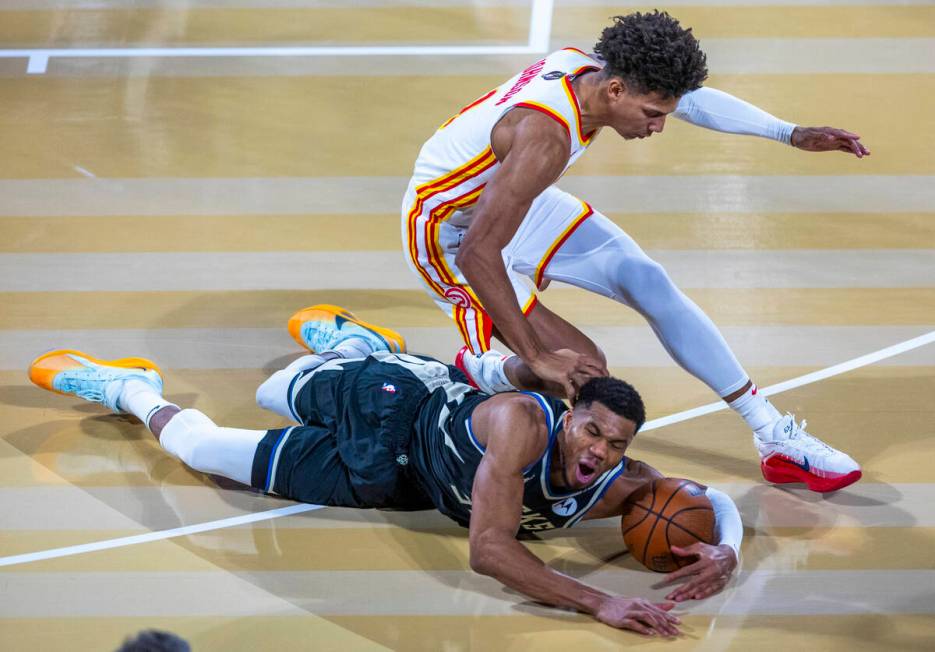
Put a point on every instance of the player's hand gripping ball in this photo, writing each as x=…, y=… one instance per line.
x=664, y=513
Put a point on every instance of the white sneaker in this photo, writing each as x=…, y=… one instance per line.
x=796, y=456
x=484, y=371
x=70, y=372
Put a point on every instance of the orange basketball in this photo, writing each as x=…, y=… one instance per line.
x=664, y=513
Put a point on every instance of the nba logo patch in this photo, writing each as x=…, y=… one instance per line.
x=389, y=389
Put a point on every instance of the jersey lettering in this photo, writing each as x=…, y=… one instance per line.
x=527, y=76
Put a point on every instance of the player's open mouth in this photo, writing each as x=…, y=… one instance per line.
x=584, y=472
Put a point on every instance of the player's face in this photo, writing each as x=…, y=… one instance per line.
x=594, y=441
x=637, y=115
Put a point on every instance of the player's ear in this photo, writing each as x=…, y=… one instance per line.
x=616, y=88
x=566, y=419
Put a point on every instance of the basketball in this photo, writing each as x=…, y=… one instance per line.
x=664, y=513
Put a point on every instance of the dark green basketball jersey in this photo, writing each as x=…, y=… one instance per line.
x=446, y=455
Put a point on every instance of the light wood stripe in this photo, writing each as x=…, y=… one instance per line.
x=388, y=133
x=412, y=308
x=262, y=26
x=633, y=194
x=364, y=593
x=343, y=232
x=359, y=270
x=572, y=23
x=725, y=56
x=404, y=25
x=395, y=549
x=555, y=632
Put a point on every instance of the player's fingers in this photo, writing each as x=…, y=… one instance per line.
x=853, y=147
x=658, y=622
x=687, y=551
x=684, y=571
x=662, y=610
x=636, y=626
x=845, y=134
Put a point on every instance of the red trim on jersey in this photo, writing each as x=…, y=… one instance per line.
x=541, y=108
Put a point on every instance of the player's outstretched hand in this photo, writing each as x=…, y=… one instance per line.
x=567, y=369
x=828, y=139
x=708, y=574
x=639, y=615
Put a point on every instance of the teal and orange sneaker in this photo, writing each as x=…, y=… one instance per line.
x=74, y=373
x=322, y=327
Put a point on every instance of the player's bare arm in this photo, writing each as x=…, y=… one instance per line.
x=533, y=150
x=514, y=430
x=713, y=565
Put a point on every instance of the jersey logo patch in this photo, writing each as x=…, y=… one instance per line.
x=555, y=74
x=566, y=507
x=389, y=389
x=458, y=297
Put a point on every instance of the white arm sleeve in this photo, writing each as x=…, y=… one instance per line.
x=714, y=109
x=728, y=528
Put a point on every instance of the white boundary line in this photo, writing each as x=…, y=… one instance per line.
x=540, y=30
x=807, y=379
x=157, y=536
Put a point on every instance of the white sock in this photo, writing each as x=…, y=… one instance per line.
x=759, y=413
x=141, y=400
x=353, y=348
x=488, y=372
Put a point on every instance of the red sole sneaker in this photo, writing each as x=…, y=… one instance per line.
x=459, y=363
x=781, y=471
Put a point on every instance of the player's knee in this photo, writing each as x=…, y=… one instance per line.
x=645, y=283
x=270, y=394
x=186, y=434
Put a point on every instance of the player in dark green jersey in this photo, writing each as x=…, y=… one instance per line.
x=382, y=429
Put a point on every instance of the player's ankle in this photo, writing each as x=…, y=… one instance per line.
x=758, y=412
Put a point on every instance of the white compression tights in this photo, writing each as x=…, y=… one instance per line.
x=204, y=446
x=601, y=258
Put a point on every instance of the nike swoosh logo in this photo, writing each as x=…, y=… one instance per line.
x=805, y=466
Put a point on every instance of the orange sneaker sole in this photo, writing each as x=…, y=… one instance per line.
x=396, y=342
x=42, y=370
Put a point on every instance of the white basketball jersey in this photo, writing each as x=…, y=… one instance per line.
x=459, y=153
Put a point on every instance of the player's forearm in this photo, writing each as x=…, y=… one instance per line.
x=714, y=109
x=512, y=564
x=522, y=377
x=483, y=268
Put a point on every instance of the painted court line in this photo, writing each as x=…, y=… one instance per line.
x=157, y=536
x=793, y=383
x=800, y=381
x=540, y=29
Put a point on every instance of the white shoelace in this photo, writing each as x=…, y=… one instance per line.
x=808, y=441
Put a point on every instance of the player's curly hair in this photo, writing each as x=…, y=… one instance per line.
x=618, y=396
x=653, y=53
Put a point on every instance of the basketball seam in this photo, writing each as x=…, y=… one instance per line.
x=649, y=537
x=682, y=527
x=645, y=516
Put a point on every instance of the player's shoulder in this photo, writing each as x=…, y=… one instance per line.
x=516, y=421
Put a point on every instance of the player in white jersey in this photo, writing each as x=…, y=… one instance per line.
x=484, y=227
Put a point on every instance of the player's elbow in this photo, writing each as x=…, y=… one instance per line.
x=483, y=555
x=466, y=256
x=482, y=562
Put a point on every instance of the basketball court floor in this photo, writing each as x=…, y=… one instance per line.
x=182, y=207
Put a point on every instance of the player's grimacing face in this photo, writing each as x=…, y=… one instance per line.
x=595, y=440
x=638, y=115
